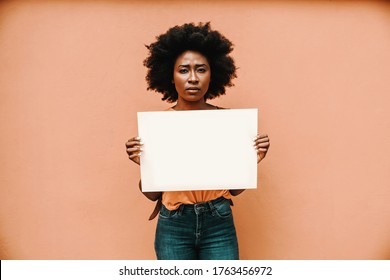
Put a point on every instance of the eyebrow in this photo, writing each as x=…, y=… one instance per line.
x=196, y=65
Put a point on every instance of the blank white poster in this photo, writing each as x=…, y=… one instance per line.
x=198, y=149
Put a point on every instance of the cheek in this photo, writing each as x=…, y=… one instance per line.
x=208, y=78
x=177, y=80
x=207, y=81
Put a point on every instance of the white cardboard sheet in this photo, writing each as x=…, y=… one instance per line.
x=198, y=150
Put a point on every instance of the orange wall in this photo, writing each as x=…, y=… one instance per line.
x=72, y=80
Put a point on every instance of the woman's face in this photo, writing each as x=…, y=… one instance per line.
x=191, y=76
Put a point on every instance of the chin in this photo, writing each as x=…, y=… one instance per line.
x=193, y=98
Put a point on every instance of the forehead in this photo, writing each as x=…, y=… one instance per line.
x=191, y=57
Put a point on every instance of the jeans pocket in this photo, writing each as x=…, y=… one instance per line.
x=223, y=209
x=167, y=214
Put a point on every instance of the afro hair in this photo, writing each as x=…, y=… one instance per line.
x=200, y=38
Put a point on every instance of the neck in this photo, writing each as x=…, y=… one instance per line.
x=185, y=105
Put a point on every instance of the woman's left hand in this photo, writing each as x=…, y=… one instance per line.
x=261, y=143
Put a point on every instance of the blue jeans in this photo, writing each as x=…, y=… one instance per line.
x=203, y=231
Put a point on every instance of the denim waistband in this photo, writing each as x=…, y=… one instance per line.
x=202, y=206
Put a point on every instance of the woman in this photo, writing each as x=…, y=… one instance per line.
x=189, y=65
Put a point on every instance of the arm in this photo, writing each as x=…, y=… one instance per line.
x=236, y=192
x=153, y=196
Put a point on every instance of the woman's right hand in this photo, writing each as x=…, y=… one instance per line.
x=134, y=149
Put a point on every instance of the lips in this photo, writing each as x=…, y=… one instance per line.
x=193, y=89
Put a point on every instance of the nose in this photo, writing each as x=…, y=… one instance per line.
x=193, y=78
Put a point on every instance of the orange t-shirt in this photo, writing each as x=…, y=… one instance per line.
x=173, y=199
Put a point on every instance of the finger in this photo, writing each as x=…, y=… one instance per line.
x=134, y=143
x=134, y=150
x=136, y=138
x=258, y=136
x=262, y=145
x=262, y=150
x=133, y=156
x=260, y=140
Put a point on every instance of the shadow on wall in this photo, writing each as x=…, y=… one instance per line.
x=3, y=251
x=386, y=255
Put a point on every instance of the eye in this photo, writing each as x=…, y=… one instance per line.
x=202, y=70
x=183, y=70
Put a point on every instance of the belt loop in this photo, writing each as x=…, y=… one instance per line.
x=180, y=209
x=212, y=207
